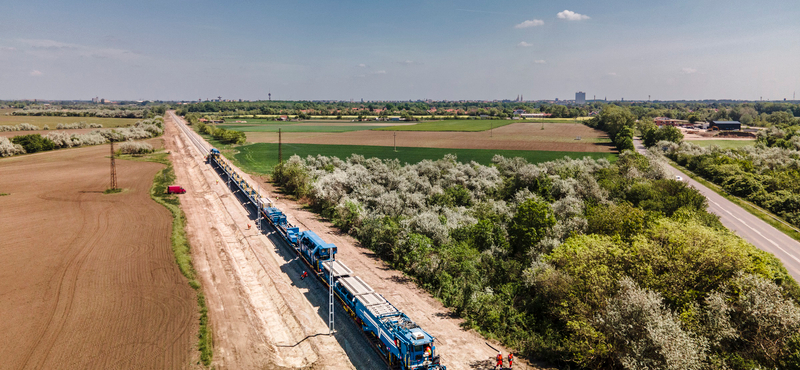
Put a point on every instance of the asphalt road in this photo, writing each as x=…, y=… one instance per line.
x=747, y=226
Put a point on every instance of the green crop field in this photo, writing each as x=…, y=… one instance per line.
x=262, y=157
x=293, y=128
x=53, y=121
x=723, y=144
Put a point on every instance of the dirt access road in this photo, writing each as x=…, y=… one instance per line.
x=262, y=315
x=88, y=280
x=460, y=349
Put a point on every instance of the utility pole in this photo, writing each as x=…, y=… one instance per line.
x=331, y=307
x=395, y=141
x=113, y=168
x=280, y=150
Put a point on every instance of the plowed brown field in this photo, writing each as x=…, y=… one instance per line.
x=568, y=137
x=88, y=280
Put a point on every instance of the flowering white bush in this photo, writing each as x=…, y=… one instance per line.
x=135, y=147
x=20, y=127
x=646, y=335
x=8, y=149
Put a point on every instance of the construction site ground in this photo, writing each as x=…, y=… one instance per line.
x=88, y=280
x=262, y=315
x=259, y=307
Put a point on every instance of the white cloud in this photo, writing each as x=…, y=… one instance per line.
x=51, y=48
x=362, y=65
x=540, y=61
x=530, y=23
x=372, y=73
x=524, y=44
x=36, y=73
x=688, y=71
x=48, y=44
x=572, y=16
x=407, y=62
x=612, y=74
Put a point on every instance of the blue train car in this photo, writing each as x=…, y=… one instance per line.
x=399, y=339
x=315, y=250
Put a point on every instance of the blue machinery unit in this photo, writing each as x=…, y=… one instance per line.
x=402, y=342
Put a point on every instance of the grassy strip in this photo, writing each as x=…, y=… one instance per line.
x=724, y=144
x=4, y=194
x=181, y=248
x=295, y=128
x=754, y=210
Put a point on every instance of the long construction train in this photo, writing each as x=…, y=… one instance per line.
x=403, y=343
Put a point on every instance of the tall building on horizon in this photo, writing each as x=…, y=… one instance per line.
x=580, y=97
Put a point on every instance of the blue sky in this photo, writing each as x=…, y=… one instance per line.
x=399, y=50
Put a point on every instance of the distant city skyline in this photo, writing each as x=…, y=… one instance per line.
x=440, y=50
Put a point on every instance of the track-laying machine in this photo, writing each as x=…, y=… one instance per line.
x=403, y=344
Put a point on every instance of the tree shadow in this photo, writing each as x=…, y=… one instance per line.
x=401, y=279
x=447, y=315
x=482, y=365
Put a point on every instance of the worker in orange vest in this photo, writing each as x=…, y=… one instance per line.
x=510, y=360
x=499, y=360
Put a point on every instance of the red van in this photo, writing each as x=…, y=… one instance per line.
x=175, y=189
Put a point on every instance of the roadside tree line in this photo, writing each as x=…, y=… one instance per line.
x=580, y=262
x=766, y=176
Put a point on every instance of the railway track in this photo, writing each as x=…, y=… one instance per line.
x=199, y=143
x=362, y=353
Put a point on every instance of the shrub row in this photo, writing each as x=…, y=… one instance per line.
x=77, y=125
x=20, y=127
x=579, y=262
x=106, y=113
x=134, y=147
x=56, y=140
x=221, y=134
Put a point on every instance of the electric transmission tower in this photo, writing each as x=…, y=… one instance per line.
x=113, y=168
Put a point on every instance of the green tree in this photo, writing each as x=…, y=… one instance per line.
x=780, y=118
x=529, y=225
x=34, y=143
x=652, y=135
